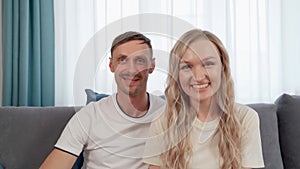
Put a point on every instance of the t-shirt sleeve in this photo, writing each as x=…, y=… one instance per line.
x=252, y=156
x=75, y=134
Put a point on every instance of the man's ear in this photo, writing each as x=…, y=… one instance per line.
x=111, y=66
x=152, y=66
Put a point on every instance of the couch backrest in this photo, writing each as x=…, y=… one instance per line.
x=269, y=135
x=28, y=134
x=288, y=114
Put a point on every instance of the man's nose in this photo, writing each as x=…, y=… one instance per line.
x=132, y=67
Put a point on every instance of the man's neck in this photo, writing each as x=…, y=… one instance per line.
x=133, y=105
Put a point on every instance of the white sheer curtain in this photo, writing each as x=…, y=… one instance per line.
x=260, y=35
x=76, y=21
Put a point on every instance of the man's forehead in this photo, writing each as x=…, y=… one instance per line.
x=133, y=43
x=135, y=55
x=132, y=49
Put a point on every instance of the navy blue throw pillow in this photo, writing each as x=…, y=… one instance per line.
x=91, y=97
x=79, y=162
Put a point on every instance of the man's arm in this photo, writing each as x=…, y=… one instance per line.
x=59, y=159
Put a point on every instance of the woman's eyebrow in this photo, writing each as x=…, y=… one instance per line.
x=183, y=62
x=208, y=58
x=204, y=59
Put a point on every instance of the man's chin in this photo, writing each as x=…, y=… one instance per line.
x=134, y=92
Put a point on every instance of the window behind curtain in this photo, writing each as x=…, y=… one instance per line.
x=259, y=35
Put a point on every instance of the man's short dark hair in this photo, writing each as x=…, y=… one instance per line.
x=129, y=36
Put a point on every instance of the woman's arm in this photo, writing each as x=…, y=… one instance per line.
x=153, y=167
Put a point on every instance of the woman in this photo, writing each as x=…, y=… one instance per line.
x=202, y=126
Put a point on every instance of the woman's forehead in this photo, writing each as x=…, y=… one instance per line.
x=201, y=49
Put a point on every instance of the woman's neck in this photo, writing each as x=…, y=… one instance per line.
x=207, y=110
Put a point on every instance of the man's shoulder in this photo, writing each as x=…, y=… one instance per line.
x=103, y=102
x=155, y=98
x=156, y=102
x=93, y=107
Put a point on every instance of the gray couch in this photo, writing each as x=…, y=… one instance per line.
x=27, y=134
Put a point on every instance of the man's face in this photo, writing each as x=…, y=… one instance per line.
x=131, y=62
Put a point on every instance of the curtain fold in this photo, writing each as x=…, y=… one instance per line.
x=28, y=52
x=1, y=54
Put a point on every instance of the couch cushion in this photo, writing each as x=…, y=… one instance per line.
x=289, y=129
x=28, y=134
x=269, y=135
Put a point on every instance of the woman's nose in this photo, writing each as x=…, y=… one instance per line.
x=199, y=73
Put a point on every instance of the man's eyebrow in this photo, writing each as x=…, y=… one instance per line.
x=121, y=56
x=142, y=56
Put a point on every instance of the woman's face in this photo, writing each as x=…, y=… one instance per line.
x=200, y=71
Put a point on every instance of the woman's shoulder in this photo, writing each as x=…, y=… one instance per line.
x=245, y=113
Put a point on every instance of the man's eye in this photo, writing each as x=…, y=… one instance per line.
x=140, y=61
x=122, y=60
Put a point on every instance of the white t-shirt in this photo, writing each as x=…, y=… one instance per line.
x=205, y=143
x=109, y=137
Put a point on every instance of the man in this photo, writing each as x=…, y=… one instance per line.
x=112, y=131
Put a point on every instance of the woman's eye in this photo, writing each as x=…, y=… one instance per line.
x=185, y=67
x=209, y=63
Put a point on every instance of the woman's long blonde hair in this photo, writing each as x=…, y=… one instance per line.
x=179, y=116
